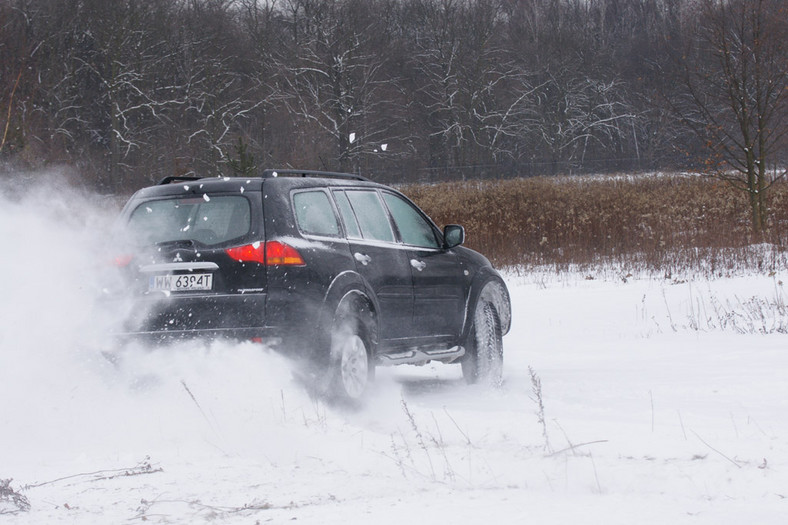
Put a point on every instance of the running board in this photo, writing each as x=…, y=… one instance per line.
x=420, y=357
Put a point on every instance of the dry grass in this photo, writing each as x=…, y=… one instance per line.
x=657, y=222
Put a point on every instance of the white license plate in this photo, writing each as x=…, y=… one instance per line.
x=181, y=283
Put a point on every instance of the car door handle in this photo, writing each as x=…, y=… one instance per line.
x=419, y=265
x=362, y=258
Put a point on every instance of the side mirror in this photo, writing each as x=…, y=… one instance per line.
x=453, y=235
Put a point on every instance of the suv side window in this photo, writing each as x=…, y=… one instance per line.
x=413, y=227
x=346, y=212
x=314, y=213
x=372, y=217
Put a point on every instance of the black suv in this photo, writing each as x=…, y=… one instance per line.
x=341, y=273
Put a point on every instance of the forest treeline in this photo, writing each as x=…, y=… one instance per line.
x=129, y=91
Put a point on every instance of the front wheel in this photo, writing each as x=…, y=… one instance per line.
x=483, y=361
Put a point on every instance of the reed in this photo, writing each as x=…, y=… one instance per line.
x=656, y=222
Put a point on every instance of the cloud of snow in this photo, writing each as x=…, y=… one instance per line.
x=61, y=397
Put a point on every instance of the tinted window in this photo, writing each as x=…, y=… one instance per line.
x=372, y=217
x=346, y=212
x=208, y=220
x=314, y=213
x=413, y=228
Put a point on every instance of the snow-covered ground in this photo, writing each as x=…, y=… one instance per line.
x=661, y=402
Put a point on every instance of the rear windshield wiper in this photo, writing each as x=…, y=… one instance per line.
x=180, y=244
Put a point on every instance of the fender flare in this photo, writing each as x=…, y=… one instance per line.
x=487, y=284
x=349, y=290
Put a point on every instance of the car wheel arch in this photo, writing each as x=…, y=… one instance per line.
x=356, y=303
x=489, y=286
x=348, y=292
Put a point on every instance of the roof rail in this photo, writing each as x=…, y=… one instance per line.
x=177, y=178
x=268, y=174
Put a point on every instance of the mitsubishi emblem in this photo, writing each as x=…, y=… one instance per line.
x=177, y=257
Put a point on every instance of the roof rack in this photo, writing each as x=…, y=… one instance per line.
x=177, y=178
x=268, y=174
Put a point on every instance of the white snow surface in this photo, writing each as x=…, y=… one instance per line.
x=663, y=402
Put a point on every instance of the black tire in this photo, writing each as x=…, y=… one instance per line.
x=483, y=360
x=352, y=369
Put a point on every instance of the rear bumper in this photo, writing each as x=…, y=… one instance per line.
x=196, y=313
x=279, y=318
x=162, y=320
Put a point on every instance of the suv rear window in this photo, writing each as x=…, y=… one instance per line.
x=209, y=220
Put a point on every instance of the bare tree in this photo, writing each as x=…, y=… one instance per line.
x=265, y=130
x=14, y=47
x=331, y=77
x=475, y=99
x=98, y=66
x=577, y=113
x=128, y=91
x=582, y=108
x=217, y=90
x=736, y=94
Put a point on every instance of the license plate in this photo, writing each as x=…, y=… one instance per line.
x=181, y=283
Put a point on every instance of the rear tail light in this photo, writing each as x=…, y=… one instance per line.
x=249, y=253
x=272, y=253
x=279, y=253
x=121, y=261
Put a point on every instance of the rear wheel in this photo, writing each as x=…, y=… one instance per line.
x=351, y=367
x=483, y=361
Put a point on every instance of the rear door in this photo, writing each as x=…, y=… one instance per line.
x=187, y=237
x=379, y=260
x=186, y=271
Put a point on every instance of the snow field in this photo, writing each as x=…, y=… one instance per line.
x=663, y=401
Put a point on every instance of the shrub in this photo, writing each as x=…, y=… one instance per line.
x=658, y=222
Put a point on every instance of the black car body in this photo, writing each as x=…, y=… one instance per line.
x=304, y=260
